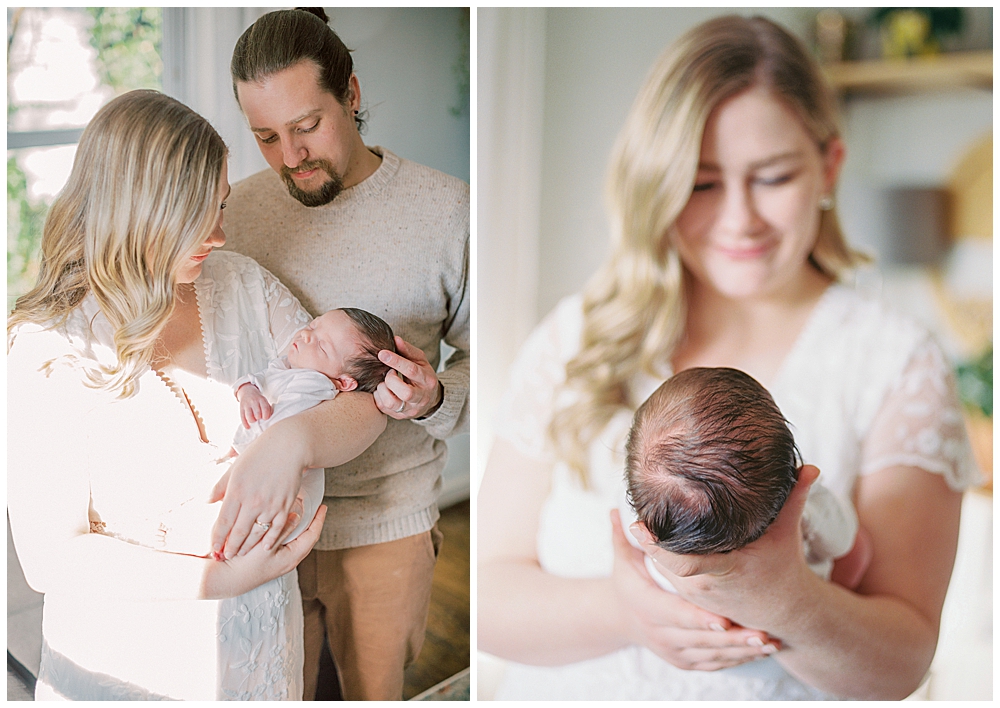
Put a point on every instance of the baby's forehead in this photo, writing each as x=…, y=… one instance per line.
x=333, y=319
x=338, y=325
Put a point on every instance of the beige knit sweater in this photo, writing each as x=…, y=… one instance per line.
x=397, y=245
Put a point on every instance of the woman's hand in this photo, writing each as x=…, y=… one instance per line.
x=671, y=627
x=238, y=575
x=741, y=584
x=261, y=486
x=257, y=493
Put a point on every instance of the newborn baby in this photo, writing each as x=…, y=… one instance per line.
x=337, y=351
x=710, y=462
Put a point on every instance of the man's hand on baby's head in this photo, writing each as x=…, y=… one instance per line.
x=254, y=405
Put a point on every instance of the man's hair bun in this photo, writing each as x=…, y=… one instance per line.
x=318, y=11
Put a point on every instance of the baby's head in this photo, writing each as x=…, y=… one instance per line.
x=344, y=344
x=709, y=462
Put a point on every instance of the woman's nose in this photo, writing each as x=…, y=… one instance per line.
x=217, y=238
x=739, y=211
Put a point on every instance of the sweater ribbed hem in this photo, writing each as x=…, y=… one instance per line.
x=333, y=539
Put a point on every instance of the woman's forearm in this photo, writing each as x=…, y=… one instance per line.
x=532, y=617
x=856, y=646
x=330, y=434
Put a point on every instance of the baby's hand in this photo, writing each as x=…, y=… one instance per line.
x=253, y=404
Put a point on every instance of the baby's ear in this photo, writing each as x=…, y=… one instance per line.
x=344, y=383
x=641, y=534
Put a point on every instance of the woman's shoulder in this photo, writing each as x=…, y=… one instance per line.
x=859, y=329
x=83, y=334
x=553, y=341
x=219, y=263
x=227, y=275
x=854, y=351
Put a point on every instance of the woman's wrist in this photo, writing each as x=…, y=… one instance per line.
x=615, y=621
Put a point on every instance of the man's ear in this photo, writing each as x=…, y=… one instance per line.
x=354, y=98
x=344, y=383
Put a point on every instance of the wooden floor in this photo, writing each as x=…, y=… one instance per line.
x=446, y=644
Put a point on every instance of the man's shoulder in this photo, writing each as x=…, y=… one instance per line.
x=412, y=174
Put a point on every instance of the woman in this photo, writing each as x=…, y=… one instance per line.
x=726, y=252
x=120, y=361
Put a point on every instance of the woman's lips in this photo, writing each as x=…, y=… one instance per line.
x=202, y=257
x=741, y=253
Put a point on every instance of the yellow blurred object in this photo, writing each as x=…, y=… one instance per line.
x=971, y=189
x=907, y=33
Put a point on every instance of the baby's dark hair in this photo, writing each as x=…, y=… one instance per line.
x=377, y=335
x=710, y=461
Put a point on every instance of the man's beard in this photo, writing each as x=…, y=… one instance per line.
x=325, y=194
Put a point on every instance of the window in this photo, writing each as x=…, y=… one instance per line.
x=63, y=64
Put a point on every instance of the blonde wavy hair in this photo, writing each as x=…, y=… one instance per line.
x=141, y=198
x=634, y=305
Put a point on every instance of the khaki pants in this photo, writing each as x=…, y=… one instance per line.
x=372, y=603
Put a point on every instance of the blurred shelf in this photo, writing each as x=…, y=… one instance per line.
x=915, y=74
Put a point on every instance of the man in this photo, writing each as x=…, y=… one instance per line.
x=342, y=224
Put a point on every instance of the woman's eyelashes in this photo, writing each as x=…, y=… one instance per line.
x=775, y=181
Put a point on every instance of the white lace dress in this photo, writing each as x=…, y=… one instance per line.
x=863, y=390
x=77, y=456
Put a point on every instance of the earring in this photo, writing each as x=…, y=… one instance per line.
x=355, y=112
x=826, y=202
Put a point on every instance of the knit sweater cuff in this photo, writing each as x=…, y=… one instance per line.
x=451, y=417
x=335, y=537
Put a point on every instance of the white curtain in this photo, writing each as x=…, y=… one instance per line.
x=511, y=77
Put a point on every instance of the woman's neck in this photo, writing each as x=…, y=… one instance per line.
x=180, y=344
x=752, y=334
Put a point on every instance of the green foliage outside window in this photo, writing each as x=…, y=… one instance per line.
x=975, y=382
x=128, y=44
x=24, y=233
x=127, y=40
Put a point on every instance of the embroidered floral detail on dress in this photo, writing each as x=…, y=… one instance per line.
x=920, y=424
x=255, y=644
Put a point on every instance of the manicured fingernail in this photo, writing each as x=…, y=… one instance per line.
x=267, y=546
x=217, y=547
x=769, y=649
x=716, y=627
x=755, y=642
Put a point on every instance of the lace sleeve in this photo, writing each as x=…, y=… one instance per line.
x=527, y=405
x=920, y=423
x=285, y=314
